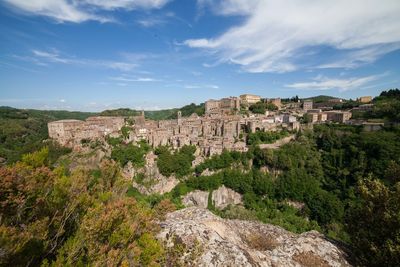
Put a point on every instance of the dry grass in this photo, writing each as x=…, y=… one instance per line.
x=260, y=242
x=308, y=259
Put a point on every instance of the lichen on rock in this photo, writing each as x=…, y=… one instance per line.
x=226, y=242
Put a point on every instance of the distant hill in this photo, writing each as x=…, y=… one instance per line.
x=23, y=130
x=120, y=112
x=15, y=113
x=320, y=98
x=158, y=114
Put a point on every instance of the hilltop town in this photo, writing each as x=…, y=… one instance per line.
x=224, y=124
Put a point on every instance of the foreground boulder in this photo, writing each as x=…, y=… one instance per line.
x=203, y=239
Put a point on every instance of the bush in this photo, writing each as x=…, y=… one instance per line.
x=265, y=137
x=125, y=153
x=178, y=163
x=373, y=224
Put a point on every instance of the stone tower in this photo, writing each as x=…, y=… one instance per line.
x=179, y=117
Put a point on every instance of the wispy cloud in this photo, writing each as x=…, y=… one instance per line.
x=43, y=58
x=133, y=79
x=277, y=36
x=51, y=56
x=199, y=86
x=83, y=10
x=151, y=21
x=344, y=84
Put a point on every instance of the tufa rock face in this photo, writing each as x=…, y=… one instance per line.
x=212, y=241
x=154, y=182
x=223, y=196
x=196, y=198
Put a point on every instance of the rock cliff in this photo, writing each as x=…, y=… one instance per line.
x=154, y=181
x=196, y=198
x=212, y=241
x=221, y=198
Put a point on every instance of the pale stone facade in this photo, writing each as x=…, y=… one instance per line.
x=276, y=101
x=364, y=99
x=307, y=104
x=316, y=115
x=72, y=132
x=338, y=116
x=248, y=99
x=227, y=106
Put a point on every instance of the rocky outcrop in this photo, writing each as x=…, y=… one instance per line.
x=196, y=198
x=212, y=241
x=223, y=196
x=89, y=159
x=278, y=143
x=207, y=172
x=295, y=204
x=154, y=181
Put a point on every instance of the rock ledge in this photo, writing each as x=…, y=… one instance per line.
x=221, y=242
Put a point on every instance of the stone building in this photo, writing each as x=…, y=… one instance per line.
x=335, y=100
x=212, y=106
x=276, y=101
x=307, y=104
x=292, y=105
x=338, y=116
x=312, y=117
x=227, y=106
x=364, y=99
x=72, y=132
x=316, y=115
x=248, y=99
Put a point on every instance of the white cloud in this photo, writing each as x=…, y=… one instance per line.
x=198, y=86
x=281, y=36
x=53, y=56
x=122, y=66
x=135, y=79
x=324, y=83
x=354, y=59
x=59, y=10
x=151, y=22
x=80, y=11
x=127, y=4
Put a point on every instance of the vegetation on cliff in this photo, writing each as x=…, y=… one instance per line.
x=262, y=107
x=55, y=218
x=178, y=162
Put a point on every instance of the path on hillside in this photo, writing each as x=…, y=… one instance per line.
x=278, y=143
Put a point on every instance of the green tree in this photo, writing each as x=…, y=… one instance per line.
x=373, y=224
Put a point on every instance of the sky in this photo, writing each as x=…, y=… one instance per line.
x=92, y=55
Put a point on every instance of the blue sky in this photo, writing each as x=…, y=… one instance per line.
x=92, y=55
